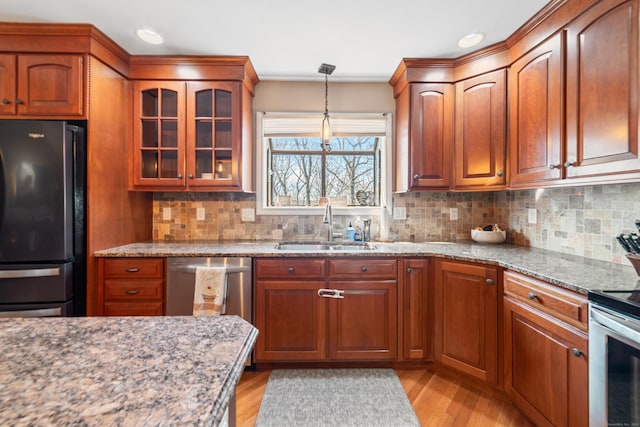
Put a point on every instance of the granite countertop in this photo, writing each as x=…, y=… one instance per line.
x=568, y=271
x=124, y=371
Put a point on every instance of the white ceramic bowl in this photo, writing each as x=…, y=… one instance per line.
x=482, y=236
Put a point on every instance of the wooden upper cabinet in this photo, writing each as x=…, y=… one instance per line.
x=480, y=132
x=431, y=135
x=602, y=91
x=536, y=114
x=187, y=135
x=42, y=85
x=158, y=134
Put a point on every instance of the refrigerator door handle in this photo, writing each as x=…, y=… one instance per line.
x=32, y=272
x=43, y=312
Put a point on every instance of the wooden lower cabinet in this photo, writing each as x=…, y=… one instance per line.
x=131, y=286
x=291, y=318
x=297, y=323
x=415, y=323
x=545, y=359
x=363, y=325
x=465, y=326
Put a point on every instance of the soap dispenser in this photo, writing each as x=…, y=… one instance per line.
x=350, y=232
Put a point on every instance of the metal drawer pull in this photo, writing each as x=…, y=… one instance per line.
x=132, y=291
x=576, y=352
x=19, y=101
x=35, y=272
x=331, y=293
x=409, y=270
x=364, y=269
x=132, y=270
x=5, y=101
x=532, y=295
x=291, y=269
x=489, y=281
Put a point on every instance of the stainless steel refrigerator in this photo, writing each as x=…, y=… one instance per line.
x=42, y=218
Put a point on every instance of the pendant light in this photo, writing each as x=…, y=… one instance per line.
x=326, y=69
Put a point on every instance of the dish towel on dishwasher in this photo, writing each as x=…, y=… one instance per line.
x=210, y=296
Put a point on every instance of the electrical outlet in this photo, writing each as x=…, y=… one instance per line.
x=166, y=214
x=532, y=216
x=248, y=214
x=399, y=213
x=453, y=214
x=200, y=214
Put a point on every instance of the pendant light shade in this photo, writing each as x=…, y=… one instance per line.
x=326, y=69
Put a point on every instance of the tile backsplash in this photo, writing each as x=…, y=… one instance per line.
x=578, y=220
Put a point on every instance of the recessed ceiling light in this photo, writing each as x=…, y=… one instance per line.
x=470, y=40
x=150, y=36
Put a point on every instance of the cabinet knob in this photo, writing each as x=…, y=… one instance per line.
x=132, y=291
x=531, y=295
x=409, y=270
x=568, y=164
x=489, y=281
x=416, y=176
x=499, y=173
x=179, y=176
x=5, y=101
x=363, y=269
x=290, y=270
x=576, y=352
x=558, y=166
x=132, y=270
x=19, y=101
x=190, y=176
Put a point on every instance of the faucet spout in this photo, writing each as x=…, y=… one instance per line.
x=327, y=218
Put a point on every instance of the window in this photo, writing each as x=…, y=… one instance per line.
x=294, y=174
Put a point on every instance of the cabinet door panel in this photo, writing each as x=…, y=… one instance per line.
x=431, y=135
x=465, y=318
x=7, y=84
x=536, y=111
x=158, y=134
x=291, y=318
x=602, y=90
x=214, y=112
x=414, y=309
x=543, y=375
x=363, y=325
x=50, y=85
x=481, y=131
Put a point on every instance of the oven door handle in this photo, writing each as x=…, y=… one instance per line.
x=614, y=324
x=42, y=312
x=32, y=272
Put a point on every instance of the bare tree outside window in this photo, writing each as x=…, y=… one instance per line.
x=352, y=170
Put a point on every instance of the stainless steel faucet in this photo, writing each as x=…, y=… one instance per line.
x=328, y=219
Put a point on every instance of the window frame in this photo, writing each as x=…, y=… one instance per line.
x=386, y=172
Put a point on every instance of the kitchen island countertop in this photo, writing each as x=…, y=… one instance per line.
x=572, y=272
x=99, y=371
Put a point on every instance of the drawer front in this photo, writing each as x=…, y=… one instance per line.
x=134, y=268
x=124, y=290
x=290, y=268
x=133, y=309
x=363, y=268
x=564, y=304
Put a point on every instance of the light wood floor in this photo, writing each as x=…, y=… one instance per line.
x=437, y=401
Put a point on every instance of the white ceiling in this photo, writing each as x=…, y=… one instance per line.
x=289, y=39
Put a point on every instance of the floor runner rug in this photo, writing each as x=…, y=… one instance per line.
x=335, y=397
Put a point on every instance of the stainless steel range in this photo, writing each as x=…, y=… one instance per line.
x=614, y=365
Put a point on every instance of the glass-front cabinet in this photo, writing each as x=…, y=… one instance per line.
x=187, y=135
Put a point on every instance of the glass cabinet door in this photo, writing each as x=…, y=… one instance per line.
x=159, y=133
x=213, y=115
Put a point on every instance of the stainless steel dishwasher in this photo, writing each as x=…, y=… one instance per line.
x=181, y=280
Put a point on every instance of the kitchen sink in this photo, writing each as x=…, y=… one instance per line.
x=328, y=246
